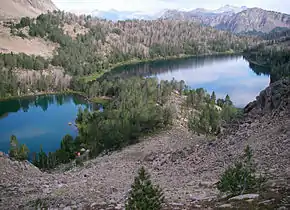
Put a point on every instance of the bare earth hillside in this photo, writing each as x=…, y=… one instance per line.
x=32, y=46
x=19, y=8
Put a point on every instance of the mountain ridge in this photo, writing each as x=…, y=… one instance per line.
x=251, y=19
x=115, y=15
x=230, y=18
x=20, y=8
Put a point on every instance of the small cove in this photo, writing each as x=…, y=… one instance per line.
x=39, y=120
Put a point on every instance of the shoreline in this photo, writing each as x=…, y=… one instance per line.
x=43, y=94
x=94, y=100
x=95, y=76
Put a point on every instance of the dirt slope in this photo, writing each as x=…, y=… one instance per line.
x=19, y=8
x=186, y=166
x=31, y=46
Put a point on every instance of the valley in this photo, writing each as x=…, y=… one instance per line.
x=196, y=103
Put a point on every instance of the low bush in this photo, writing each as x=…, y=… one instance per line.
x=241, y=178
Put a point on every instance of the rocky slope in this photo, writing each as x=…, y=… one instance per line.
x=248, y=20
x=186, y=166
x=19, y=8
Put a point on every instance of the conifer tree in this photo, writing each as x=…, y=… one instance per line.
x=213, y=98
x=144, y=195
x=19, y=152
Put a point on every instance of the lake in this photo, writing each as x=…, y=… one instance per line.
x=41, y=120
x=44, y=120
x=223, y=74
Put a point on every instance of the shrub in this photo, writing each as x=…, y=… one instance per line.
x=144, y=195
x=240, y=178
x=18, y=152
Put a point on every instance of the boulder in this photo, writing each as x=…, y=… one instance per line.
x=245, y=196
x=227, y=205
x=274, y=97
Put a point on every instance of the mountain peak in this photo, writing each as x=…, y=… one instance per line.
x=229, y=8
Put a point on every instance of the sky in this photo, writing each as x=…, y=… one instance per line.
x=152, y=6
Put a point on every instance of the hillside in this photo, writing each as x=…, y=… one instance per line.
x=90, y=47
x=20, y=8
x=186, y=166
x=185, y=138
x=248, y=20
x=31, y=46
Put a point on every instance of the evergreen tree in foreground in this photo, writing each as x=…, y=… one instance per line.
x=143, y=195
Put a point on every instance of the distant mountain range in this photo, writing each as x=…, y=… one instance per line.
x=235, y=19
x=116, y=15
x=241, y=20
x=232, y=19
x=124, y=15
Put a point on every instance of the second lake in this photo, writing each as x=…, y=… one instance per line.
x=230, y=75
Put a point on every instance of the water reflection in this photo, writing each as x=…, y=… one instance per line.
x=42, y=101
x=41, y=120
x=231, y=75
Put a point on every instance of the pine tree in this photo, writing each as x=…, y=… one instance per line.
x=144, y=195
x=213, y=98
x=228, y=101
x=13, y=152
x=23, y=152
x=18, y=152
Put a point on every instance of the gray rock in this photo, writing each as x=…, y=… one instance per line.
x=245, y=196
x=103, y=203
x=150, y=157
x=119, y=206
x=234, y=20
x=112, y=201
x=226, y=205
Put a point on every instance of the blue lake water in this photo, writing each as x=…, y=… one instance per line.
x=39, y=121
x=44, y=120
x=223, y=74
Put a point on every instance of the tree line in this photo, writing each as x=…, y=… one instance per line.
x=107, y=43
x=137, y=106
x=273, y=60
x=207, y=113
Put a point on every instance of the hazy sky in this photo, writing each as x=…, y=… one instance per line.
x=157, y=5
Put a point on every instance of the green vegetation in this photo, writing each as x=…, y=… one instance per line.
x=133, y=108
x=21, y=60
x=108, y=44
x=137, y=107
x=65, y=154
x=102, y=46
x=21, y=75
x=144, y=195
x=275, y=57
x=209, y=113
x=18, y=151
x=103, y=101
x=241, y=178
x=96, y=46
